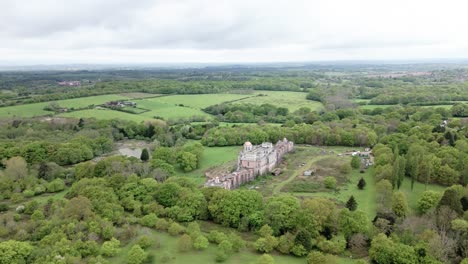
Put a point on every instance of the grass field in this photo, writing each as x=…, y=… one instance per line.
x=199, y=101
x=213, y=156
x=290, y=100
x=37, y=109
x=104, y=114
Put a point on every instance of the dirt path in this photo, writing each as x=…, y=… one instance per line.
x=280, y=185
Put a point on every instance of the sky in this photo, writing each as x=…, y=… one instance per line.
x=229, y=31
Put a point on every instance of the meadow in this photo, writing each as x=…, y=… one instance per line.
x=290, y=100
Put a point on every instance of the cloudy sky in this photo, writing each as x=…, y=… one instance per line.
x=176, y=31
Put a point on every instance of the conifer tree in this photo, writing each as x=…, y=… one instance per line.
x=144, y=155
x=361, y=184
x=351, y=204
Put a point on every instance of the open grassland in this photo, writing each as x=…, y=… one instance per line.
x=37, y=109
x=290, y=100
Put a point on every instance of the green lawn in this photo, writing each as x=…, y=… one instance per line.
x=291, y=100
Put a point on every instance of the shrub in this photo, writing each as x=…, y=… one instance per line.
x=162, y=224
x=201, y=242
x=110, y=248
x=144, y=242
x=176, y=229
x=330, y=182
x=184, y=243
x=149, y=220
x=56, y=185
x=3, y=207
x=28, y=193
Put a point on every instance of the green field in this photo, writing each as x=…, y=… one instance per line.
x=167, y=107
x=37, y=109
x=105, y=114
x=198, y=101
x=290, y=100
x=212, y=156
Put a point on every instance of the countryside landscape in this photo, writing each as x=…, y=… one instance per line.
x=298, y=132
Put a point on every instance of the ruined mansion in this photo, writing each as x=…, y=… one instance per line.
x=251, y=162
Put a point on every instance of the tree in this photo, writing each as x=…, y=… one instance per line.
x=187, y=161
x=78, y=208
x=351, y=204
x=149, y=220
x=110, y=248
x=136, y=255
x=361, y=183
x=399, y=171
x=278, y=211
x=316, y=257
x=266, y=244
x=201, y=242
x=451, y=200
x=12, y=251
x=285, y=243
x=16, y=168
x=265, y=259
x=144, y=155
x=428, y=200
x=184, y=243
x=399, y=204
x=355, y=162
x=384, y=250
x=224, y=250
x=176, y=229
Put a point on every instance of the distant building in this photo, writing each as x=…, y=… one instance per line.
x=120, y=104
x=70, y=83
x=251, y=162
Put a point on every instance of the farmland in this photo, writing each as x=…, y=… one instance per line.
x=167, y=107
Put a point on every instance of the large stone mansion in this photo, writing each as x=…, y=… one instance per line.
x=251, y=162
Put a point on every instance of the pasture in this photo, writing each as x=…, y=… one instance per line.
x=290, y=100
x=37, y=109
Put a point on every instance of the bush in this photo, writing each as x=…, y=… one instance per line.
x=149, y=220
x=28, y=193
x=110, y=248
x=3, y=207
x=201, y=242
x=184, y=243
x=330, y=182
x=56, y=185
x=144, y=242
x=316, y=257
x=17, y=198
x=355, y=162
x=176, y=229
x=162, y=224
